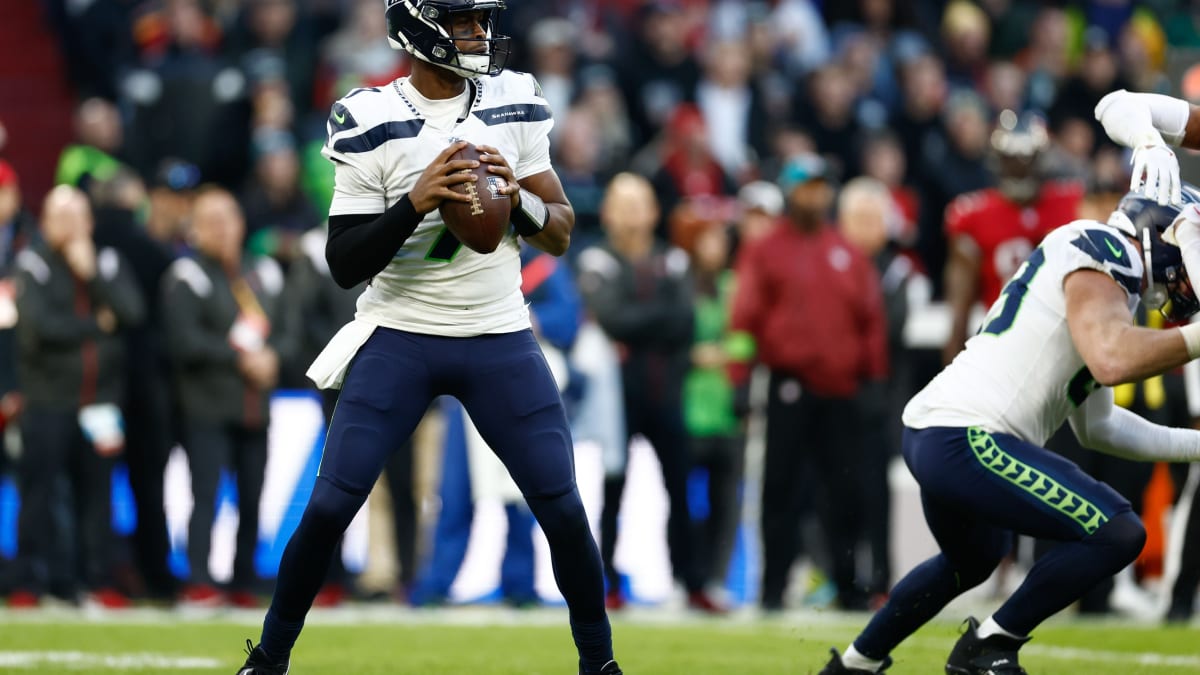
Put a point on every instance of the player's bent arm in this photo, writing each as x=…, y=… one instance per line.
x=544, y=216
x=962, y=287
x=1191, y=133
x=361, y=245
x=1113, y=348
x=1134, y=119
x=1101, y=425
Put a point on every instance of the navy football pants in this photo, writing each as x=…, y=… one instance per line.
x=976, y=489
x=505, y=385
x=502, y=380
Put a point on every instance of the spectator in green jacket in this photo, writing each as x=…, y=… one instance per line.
x=709, y=414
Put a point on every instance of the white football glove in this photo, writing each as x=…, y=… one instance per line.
x=1156, y=173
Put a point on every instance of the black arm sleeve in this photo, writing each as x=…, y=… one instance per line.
x=361, y=245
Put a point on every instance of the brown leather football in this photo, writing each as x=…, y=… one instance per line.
x=481, y=223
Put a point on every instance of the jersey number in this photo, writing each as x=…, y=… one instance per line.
x=445, y=247
x=1014, y=292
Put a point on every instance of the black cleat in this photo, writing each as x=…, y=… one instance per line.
x=835, y=667
x=610, y=668
x=258, y=663
x=994, y=655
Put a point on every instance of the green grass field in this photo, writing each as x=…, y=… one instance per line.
x=500, y=642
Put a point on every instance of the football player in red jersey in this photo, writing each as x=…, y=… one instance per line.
x=992, y=231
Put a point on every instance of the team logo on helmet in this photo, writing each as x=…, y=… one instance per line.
x=421, y=28
x=1168, y=288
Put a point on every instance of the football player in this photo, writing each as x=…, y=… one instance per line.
x=1060, y=335
x=992, y=231
x=1149, y=124
x=438, y=318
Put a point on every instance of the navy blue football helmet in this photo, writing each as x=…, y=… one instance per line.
x=419, y=28
x=1168, y=289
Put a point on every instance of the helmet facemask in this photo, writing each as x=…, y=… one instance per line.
x=1168, y=288
x=419, y=28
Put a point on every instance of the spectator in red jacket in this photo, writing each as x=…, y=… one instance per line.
x=812, y=305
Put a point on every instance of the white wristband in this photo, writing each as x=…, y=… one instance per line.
x=1191, y=338
x=532, y=214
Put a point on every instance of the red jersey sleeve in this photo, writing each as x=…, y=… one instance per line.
x=960, y=215
x=1060, y=204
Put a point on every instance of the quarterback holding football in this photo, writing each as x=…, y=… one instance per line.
x=416, y=163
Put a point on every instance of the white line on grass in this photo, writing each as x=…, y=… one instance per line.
x=80, y=660
x=1100, y=655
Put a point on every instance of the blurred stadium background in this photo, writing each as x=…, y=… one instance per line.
x=138, y=102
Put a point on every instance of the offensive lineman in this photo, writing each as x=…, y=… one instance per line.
x=1054, y=342
x=438, y=318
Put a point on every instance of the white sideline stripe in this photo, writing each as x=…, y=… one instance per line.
x=1100, y=655
x=74, y=660
x=1076, y=654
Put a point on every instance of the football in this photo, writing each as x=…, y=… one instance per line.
x=482, y=222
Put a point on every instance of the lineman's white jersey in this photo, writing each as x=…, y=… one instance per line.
x=1021, y=374
x=381, y=140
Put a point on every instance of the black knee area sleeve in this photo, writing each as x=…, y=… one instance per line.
x=332, y=508
x=559, y=515
x=971, y=573
x=1124, y=535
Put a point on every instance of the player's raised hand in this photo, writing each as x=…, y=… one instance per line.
x=433, y=186
x=1156, y=173
x=499, y=166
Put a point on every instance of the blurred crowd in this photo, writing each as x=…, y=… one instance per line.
x=764, y=191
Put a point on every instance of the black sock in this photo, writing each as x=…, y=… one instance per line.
x=278, y=636
x=594, y=642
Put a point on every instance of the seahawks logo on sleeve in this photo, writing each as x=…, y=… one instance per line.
x=340, y=118
x=1115, y=256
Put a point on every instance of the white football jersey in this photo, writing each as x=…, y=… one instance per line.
x=381, y=139
x=1021, y=374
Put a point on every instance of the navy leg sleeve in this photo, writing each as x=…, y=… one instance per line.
x=305, y=562
x=976, y=488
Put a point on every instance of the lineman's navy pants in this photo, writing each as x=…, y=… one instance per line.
x=977, y=487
